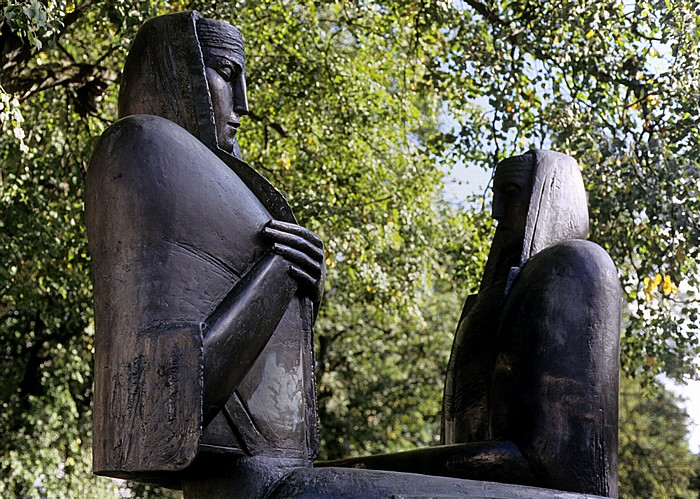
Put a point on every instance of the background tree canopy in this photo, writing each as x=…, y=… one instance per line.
x=652, y=448
x=358, y=110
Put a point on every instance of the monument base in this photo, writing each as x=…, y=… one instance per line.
x=355, y=483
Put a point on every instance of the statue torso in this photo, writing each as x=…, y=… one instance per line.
x=539, y=366
x=184, y=228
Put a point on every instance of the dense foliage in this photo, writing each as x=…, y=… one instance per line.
x=654, y=457
x=349, y=101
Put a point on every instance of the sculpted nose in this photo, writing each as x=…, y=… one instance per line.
x=497, y=208
x=240, y=104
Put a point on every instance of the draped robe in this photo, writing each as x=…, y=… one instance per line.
x=535, y=359
x=172, y=230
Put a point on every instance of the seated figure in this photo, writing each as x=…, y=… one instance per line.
x=205, y=287
x=206, y=291
x=531, y=391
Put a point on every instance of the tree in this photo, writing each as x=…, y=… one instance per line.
x=348, y=100
x=654, y=457
x=615, y=85
x=695, y=479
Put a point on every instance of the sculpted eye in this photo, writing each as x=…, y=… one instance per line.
x=226, y=71
x=512, y=189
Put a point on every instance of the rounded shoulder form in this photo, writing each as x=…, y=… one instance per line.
x=576, y=258
x=145, y=128
x=570, y=275
x=140, y=153
x=142, y=135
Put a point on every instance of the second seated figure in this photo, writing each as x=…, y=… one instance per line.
x=531, y=392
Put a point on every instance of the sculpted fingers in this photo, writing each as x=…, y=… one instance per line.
x=313, y=285
x=309, y=274
x=295, y=241
x=303, y=250
x=298, y=259
x=296, y=230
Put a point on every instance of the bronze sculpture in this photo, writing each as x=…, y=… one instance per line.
x=205, y=286
x=206, y=292
x=532, y=384
x=546, y=376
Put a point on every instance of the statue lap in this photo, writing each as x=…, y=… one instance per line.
x=555, y=377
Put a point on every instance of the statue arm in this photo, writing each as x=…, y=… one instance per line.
x=497, y=461
x=242, y=324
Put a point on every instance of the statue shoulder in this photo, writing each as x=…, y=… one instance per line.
x=143, y=155
x=143, y=138
x=571, y=261
x=566, y=279
x=144, y=128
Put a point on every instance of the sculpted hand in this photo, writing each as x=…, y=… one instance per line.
x=304, y=251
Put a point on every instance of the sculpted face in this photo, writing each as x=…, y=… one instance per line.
x=227, y=88
x=512, y=188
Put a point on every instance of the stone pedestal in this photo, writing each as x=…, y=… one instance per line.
x=356, y=483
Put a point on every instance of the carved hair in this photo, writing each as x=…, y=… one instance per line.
x=220, y=39
x=522, y=162
x=558, y=205
x=164, y=76
x=558, y=208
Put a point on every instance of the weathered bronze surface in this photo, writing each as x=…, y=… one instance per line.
x=361, y=484
x=206, y=291
x=204, y=284
x=535, y=359
x=531, y=391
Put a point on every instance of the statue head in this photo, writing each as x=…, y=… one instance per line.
x=539, y=200
x=512, y=188
x=558, y=208
x=224, y=59
x=191, y=71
